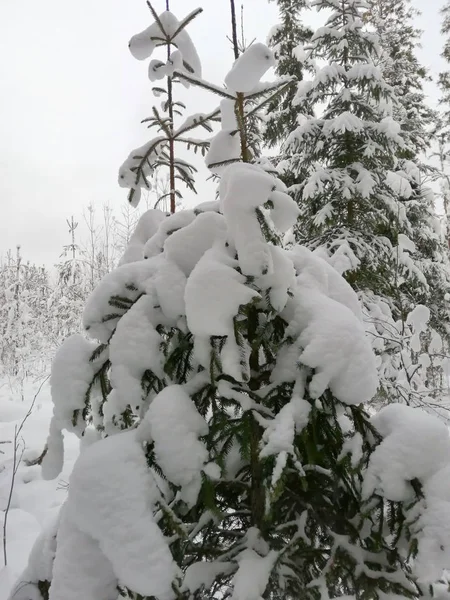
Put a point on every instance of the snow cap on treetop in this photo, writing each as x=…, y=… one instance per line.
x=248, y=69
x=166, y=30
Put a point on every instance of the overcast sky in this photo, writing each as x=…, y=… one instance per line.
x=72, y=97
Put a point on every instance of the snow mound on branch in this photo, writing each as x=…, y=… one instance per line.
x=415, y=445
x=145, y=229
x=255, y=564
x=169, y=283
x=186, y=246
x=280, y=280
x=249, y=68
x=335, y=346
x=418, y=318
x=313, y=270
x=134, y=348
x=137, y=168
x=433, y=529
x=228, y=119
x=214, y=293
x=245, y=188
x=224, y=148
x=346, y=121
x=53, y=461
x=169, y=226
x=100, y=317
x=107, y=529
x=40, y=564
x=143, y=44
x=175, y=426
x=201, y=574
x=71, y=364
x=209, y=206
x=399, y=184
x=158, y=70
x=80, y=569
x=279, y=433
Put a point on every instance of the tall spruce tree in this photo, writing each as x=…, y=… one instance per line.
x=361, y=199
x=399, y=39
x=287, y=40
x=442, y=132
x=444, y=77
x=229, y=384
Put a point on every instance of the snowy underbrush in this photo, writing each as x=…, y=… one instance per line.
x=32, y=502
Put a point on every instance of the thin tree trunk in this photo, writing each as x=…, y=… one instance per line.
x=234, y=30
x=257, y=492
x=240, y=96
x=171, y=141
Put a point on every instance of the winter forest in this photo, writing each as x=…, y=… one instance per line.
x=235, y=384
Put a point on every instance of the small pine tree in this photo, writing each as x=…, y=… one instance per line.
x=228, y=382
x=159, y=153
x=70, y=291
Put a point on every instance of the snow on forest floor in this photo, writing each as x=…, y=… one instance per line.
x=34, y=501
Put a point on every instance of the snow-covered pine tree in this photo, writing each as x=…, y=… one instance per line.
x=159, y=153
x=287, y=40
x=71, y=289
x=361, y=199
x=443, y=124
x=393, y=21
x=442, y=154
x=238, y=460
x=444, y=77
x=399, y=39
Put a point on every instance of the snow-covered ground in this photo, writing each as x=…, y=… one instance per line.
x=34, y=501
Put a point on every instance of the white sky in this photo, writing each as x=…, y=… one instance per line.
x=72, y=97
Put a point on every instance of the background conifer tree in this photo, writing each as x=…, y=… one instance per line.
x=287, y=40
x=442, y=129
x=444, y=77
x=361, y=199
x=399, y=39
